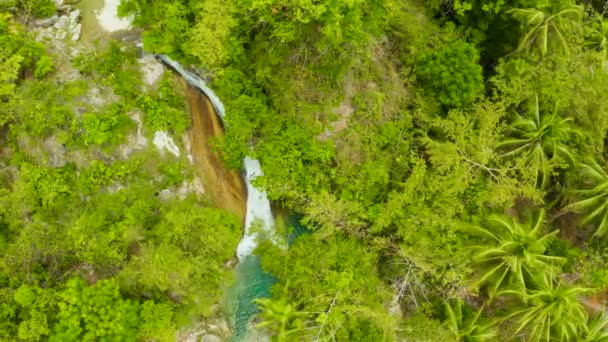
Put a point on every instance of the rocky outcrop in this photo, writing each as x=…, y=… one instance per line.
x=60, y=27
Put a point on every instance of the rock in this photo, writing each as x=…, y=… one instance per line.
x=58, y=3
x=231, y=263
x=76, y=32
x=211, y=338
x=74, y=15
x=61, y=34
x=46, y=22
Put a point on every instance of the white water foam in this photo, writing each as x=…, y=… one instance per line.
x=258, y=209
x=108, y=17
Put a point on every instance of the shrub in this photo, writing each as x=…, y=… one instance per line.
x=452, y=74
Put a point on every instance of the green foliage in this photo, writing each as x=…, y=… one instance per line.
x=541, y=137
x=466, y=326
x=553, y=312
x=596, y=330
x=36, y=8
x=43, y=66
x=452, y=74
x=114, y=66
x=173, y=173
x=593, y=200
x=98, y=312
x=183, y=254
x=548, y=25
x=157, y=322
x=35, y=307
x=342, y=297
x=164, y=112
x=99, y=174
x=104, y=128
x=281, y=318
x=516, y=252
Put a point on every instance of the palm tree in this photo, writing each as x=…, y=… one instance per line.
x=553, y=312
x=466, y=327
x=595, y=198
x=546, y=23
x=514, y=252
x=282, y=318
x=596, y=329
x=542, y=137
x=598, y=37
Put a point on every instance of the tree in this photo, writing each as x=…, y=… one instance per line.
x=553, y=312
x=547, y=25
x=282, y=318
x=596, y=329
x=594, y=202
x=542, y=137
x=514, y=253
x=452, y=74
x=466, y=327
x=597, y=37
x=95, y=312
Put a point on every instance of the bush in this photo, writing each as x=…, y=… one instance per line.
x=105, y=128
x=452, y=74
x=93, y=313
x=164, y=111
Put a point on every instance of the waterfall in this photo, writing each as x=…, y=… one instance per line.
x=258, y=213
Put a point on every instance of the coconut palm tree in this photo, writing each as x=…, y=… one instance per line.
x=553, y=312
x=547, y=25
x=541, y=137
x=596, y=329
x=282, y=318
x=594, y=202
x=513, y=253
x=466, y=327
x=597, y=37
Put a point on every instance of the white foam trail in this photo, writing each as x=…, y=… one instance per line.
x=258, y=210
x=108, y=17
x=258, y=205
x=196, y=81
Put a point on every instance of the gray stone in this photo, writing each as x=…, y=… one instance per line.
x=76, y=33
x=74, y=15
x=46, y=22
x=62, y=22
x=61, y=34
x=211, y=338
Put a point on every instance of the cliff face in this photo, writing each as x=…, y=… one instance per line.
x=225, y=187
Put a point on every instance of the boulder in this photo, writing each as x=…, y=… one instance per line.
x=211, y=338
x=46, y=22
x=76, y=32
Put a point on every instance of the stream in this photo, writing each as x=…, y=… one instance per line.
x=252, y=282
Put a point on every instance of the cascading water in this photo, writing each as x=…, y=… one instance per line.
x=252, y=281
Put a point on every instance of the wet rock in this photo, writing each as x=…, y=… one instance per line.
x=76, y=32
x=211, y=338
x=46, y=22
x=231, y=263
x=74, y=16
x=61, y=34
x=62, y=27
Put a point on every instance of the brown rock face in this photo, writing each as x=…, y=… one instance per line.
x=226, y=187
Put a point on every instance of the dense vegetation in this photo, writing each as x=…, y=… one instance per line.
x=448, y=157
x=96, y=241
